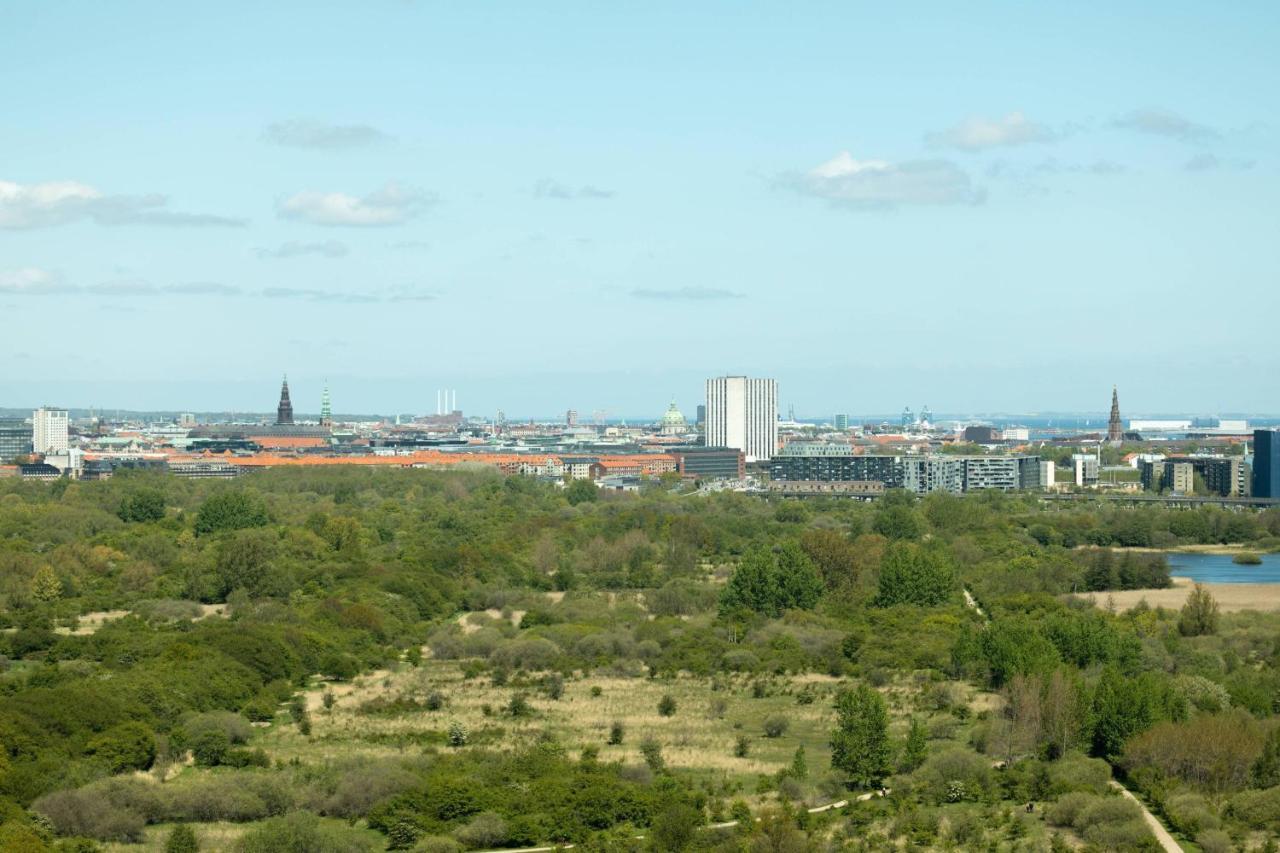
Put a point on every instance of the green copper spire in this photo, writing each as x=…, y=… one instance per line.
x=326, y=412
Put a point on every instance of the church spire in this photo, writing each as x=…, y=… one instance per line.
x=326, y=411
x=284, y=411
x=1115, y=431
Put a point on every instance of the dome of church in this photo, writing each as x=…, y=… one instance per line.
x=673, y=420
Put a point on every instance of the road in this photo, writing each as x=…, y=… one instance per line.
x=1157, y=828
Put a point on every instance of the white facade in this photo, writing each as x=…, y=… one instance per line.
x=49, y=431
x=742, y=413
x=1015, y=434
x=1086, y=469
x=1047, y=471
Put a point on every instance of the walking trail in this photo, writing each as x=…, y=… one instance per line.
x=729, y=824
x=1157, y=828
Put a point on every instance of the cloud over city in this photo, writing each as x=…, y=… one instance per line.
x=391, y=205
x=977, y=134
x=882, y=185
x=52, y=203
x=309, y=133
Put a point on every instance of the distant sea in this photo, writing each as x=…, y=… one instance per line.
x=1219, y=568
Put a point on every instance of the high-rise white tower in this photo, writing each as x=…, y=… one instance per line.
x=742, y=413
x=49, y=431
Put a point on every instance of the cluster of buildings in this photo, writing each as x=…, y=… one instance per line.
x=738, y=440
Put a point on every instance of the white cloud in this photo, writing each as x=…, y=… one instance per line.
x=547, y=188
x=33, y=281
x=308, y=133
x=293, y=249
x=60, y=202
x=1165, y=123
x=879, y=184
x=1204, y=162
x=976, y=134
x=391, y=205
x=202, y=288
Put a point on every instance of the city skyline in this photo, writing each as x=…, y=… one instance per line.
x=876, y=208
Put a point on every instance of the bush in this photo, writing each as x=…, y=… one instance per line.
x=1258, y=809
x=776, y=725
x=301, y=833
x=742, y=747
x=616, y=732
x=230, y=510
x=90, y=813
x=652, y=752
x=1190, y=813
x=457, y=734
x=942, y=771
x=486, y=829
x=210, y=748
x=359, y=787
x=519, y=706
x=182, y=839
x=128, y=746
x=667, y=705
x=1077, y=772
x=1215, y=841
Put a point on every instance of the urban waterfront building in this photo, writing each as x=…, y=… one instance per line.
x=49, y=430
x=326, y=408
x=15, y=439
x=842, y=422
x=742, y=413
x=1266, y=463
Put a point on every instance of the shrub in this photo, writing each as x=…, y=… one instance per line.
x=486, y=829
x=301, y=832
x=1215, y=841
x=182, y=839
x=667, y=705
x=457, y=734
x=652, y=752
x=776, y=725
x=742, y=747
x=359, y=787
x=942, y=771
x=616, y=733
x=1068, y=807
x=90, y=813
x=230, y=510
x=553, y=684
x=1258, y=809
x=519, y=706
x=435, y=700
x=210, y=747
x=1077, y=772
x=1190, y=813
x=128, y=746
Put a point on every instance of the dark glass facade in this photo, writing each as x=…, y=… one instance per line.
x=1266, y=463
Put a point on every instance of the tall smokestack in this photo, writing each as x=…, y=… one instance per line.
x=437, y=401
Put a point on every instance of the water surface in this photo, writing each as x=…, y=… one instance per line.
x=1218, y=568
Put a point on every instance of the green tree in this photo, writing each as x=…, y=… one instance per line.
x=1199, y=615
x=799, y=584
x=915, y=574
x=45, y=586
x=674, y=828
x=230, y=510
x=181, y=840
x=581, y=491
x=898, y=522
x=917, y=746
x=244, y=560
x=1124, y=705
x=833, y=553
x=142, y=505
x=799, y=765
x=768, y=582
x=1266, y=770
x=128, y=746
x=860, y=741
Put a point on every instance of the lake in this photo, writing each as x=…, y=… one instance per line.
x=1218, y=568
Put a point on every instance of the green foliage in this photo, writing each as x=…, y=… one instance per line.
x=915, y=574
x=182, y=839
x=1266, y=769
x=667, y=705
x=916, y=747
x=1199, y=615
x=142, y=506
x=229, y=510
x=769, y=582
x=128, y=746
x=300, y=832
x=860, y=742
x=581, y=491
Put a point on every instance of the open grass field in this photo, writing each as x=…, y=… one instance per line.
x=1231, y=597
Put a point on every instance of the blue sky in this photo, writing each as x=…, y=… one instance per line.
x=1008, y=206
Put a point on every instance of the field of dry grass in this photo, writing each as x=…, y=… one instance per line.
x=1231, y=597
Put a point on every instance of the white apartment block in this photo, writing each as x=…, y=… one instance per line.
x=49, y=431
x=742, y=413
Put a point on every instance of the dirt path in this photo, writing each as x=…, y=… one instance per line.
x=729, y=824
x=1157, y=828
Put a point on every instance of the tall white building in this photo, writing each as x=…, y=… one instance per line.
x=742, y=413
x=49, y=431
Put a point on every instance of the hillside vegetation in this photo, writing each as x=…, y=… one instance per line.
x=345, y=660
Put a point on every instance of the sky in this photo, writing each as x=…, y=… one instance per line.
x=977, y=207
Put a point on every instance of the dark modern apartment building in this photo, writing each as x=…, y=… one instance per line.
x=1266, y=463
